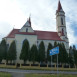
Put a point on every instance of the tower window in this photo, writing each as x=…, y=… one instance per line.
x=62, y=31
x=26, y=29
x=62, y=21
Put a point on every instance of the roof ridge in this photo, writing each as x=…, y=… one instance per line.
x=16, y=29
x=44, y=31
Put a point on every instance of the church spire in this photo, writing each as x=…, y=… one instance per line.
x=59, y=7
x=29, y=21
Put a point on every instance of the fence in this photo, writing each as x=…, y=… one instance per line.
x=12, y=65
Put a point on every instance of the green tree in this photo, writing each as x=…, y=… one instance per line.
x=54, y=57
x=1, y=57
x=60, y=53
x=63, y=55
x=75, y=55
x=55, y=44
x=41, y=52
x=11, y=55
x=24, y=55
x=70, y=59
x=3, y=49
x=34, y=53
x=49, y=48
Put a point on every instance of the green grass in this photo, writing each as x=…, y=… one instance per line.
x=49, y=75
x=3, y=74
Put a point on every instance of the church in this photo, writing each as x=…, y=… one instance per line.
x=36, y=36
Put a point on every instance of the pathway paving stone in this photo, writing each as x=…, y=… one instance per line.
x=18, y=74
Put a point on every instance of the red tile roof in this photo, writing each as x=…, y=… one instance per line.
x=45, y=35
x=16, y=31
x=26, y=33
x=12, y=33
x=41, y=35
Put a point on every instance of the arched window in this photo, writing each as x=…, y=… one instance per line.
x=24, y=41
x=62, y=31
x=62, y=21
x=26, y=29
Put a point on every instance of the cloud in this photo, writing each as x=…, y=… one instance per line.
x=42, y=13
x=4, y=28
x=71, y=15
x=16, y=12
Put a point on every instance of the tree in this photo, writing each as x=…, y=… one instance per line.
x=63, y=55
x=55, y=44
x=54, y=57
x=3, y=50
x=41, y=52
x=34, y=53
x=49, y=48
x=1, y=57
x=11, y=55
x=60, y=58
x=70, y=59
x=75, y=55
x=24, y=55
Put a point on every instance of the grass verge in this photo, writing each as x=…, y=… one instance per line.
x=3, y=74
x=49, y=75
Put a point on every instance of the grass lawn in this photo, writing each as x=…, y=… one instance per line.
x=3, y=74
x=49, y=75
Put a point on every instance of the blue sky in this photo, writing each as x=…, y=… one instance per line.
x=14, y=14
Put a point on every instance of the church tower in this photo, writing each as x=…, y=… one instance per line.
x=61, y=24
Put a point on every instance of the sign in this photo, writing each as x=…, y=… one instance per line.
x=54, y=51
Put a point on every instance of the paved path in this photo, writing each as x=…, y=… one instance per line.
x=18, y=74
x=34, y=71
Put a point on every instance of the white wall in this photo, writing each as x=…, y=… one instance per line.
x=9, y=40
x=23, y=29
x=19, y=41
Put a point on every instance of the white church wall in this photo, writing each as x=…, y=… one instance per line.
x=9, y=40
x=23, y=29
x=19, y=41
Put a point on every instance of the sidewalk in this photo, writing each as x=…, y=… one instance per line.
x=18, y=74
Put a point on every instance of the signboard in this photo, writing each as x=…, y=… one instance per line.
x=54, y=51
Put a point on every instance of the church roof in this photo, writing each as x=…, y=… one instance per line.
x=41, y=35
x=45, y=35
x=12, y=33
